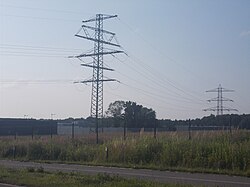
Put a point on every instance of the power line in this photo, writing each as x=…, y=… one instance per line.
x=50, y=55
x=149, y=85
x=51, y=81
x=39, y=47
x=153, y=95
x=45, y=9
x=157, y=50
x=152, y=76
x=157, y=91
x=165, y=56
x=32, y=53
x=40, y=18
x=150, y=104
x=35, y=51
x=148, y=75
x=29, y=55
x=163, y=79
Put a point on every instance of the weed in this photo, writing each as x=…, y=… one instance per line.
x=30, y=169
x=40, y=169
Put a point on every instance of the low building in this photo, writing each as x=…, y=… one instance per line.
x=21, y=127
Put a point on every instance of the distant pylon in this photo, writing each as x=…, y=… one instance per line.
x=219, y=99
x=99, y=51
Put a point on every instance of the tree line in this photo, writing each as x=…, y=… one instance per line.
x=138, y=116
x=132, y=115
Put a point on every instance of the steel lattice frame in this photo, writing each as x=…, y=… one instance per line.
x=96, y=109
x=97, y=85
x=219, y=99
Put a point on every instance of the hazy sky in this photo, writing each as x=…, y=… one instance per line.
x=176, y=50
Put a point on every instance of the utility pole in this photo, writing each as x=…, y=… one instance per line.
x=32, y=131
x=219, y=99
x=97, y=80
x=51, y=115
x=189, y=129
x=230, y=124
x=155, y=124
x=73, y=130
x=124, y=126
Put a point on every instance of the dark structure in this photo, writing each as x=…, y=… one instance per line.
x=22, y=127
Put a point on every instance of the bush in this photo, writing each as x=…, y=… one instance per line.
x=37, y=151
x=40, y=169
x=30, y=169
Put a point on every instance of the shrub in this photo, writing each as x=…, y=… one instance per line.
x=37, y=151
x=40, y=169
x=30, y=169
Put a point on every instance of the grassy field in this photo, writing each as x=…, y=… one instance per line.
x=207, y=151
x=38, y=178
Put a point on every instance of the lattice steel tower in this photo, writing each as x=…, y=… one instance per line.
x=97, y=65
x=219, y=99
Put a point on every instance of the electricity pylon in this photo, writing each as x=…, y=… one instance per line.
x=219, y=99
x=97, y=80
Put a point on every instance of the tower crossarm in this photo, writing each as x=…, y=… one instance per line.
x=95, y=54
x=104, y=17
x=101, y=80
x=217, y=99
x=230, y=109
x=210, y=109
x=227, y=99
x=214, y=90
x=213, y=99
x=220, y=89
x=93, y=28
x=96, y=40
x=104, y=68
x=226, y=90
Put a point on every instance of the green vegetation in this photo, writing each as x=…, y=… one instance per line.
x=39, y=178
x=217, y=152
x=129, y=113
x=132, y=115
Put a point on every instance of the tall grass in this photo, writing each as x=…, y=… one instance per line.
x=214, y=151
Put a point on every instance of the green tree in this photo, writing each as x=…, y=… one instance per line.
x=135, y=116
x=115, y=113
x=116, y=109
